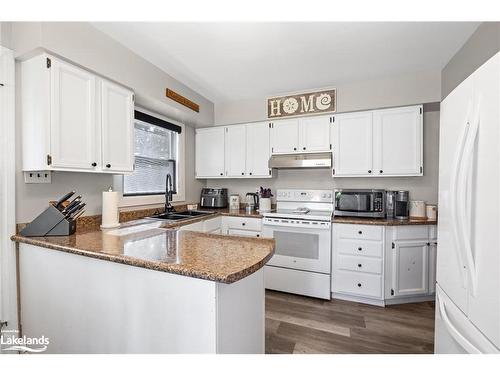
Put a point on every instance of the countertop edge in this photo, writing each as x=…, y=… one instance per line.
x=156, y=266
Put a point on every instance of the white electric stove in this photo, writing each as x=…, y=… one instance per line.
x=301, y=228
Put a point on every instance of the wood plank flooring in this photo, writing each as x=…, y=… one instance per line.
x=296, y=324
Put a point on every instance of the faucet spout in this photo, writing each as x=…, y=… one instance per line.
x=168, y=194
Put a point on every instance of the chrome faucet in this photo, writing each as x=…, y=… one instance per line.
x=168, y=194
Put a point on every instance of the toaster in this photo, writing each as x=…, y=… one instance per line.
x=213, y=198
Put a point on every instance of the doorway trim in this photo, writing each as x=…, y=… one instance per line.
x=8, y=277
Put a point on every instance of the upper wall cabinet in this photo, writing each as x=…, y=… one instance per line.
x=397, y=141
x=380, y=143
x=258, y=150
x=209, y=148
x=74, y=120
x=352, y=135
x=308, y=134
x=236, y=151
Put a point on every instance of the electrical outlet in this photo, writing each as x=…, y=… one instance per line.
x=37, y=177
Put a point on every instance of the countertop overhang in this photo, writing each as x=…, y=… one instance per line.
x=146, y=244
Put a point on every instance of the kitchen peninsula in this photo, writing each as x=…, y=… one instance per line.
x=143, y=288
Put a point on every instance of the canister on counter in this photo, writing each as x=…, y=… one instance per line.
x=234, y=202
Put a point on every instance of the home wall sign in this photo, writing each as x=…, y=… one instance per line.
x=182, y=100
x=301, y=104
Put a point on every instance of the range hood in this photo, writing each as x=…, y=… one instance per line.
x=316, y=160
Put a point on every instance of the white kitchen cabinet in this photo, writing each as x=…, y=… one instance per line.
x=83, y=122
x=285, y=136
x=314, y=134
x=410, y=268
x=383, y=265
x=241, y=226
x=73, y=118
x=235, y=153
x=210, y=152
x=380, y=143
x=352, y=135
x=243, y=233
x=258, y=150
x=308, y=134
x=117, y=119
x=397, y=141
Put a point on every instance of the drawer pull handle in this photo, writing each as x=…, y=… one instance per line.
x=359, y=265
x=243, y=224
x=360, y=248
x=359, y=285
x=360, y=232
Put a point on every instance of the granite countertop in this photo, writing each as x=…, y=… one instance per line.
x=387, y=222
x=148, y=244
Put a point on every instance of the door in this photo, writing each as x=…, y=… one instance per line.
x=285, y=136
x=432, y=267
x=352, y=144
x=479, y=204
x=209, y=152
x=410, y=268
x=258, y=150
x=300, y=248
x=235, y=144
x=314, y=134
x=73, y=130
x=117, y=127
x=455, y=113
x=397, y=140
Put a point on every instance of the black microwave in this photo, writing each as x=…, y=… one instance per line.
x=360, y=203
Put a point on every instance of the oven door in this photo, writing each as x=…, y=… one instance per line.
x=296, y=247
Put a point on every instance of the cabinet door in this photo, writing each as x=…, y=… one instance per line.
x=209, y=151
x=117, y=127
x=73, y=130
x=352, y=144
x=314, y=134
x=284, y=136
x=258, y=150
x=397, y=141
x=243, y=233
x=410, y=268
x=235, y=143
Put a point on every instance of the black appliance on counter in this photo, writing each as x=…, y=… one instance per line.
x=214, y=198
x=360, y=203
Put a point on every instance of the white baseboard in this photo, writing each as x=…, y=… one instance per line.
x=369, y=301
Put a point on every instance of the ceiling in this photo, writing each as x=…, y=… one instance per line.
x=236, y=61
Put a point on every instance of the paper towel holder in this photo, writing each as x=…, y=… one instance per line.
x=111, y=225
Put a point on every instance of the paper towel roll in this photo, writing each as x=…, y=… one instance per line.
x=110, y=209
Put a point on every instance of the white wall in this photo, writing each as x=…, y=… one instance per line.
x=423, y=87
x=87, y=46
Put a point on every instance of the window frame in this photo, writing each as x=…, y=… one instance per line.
x=157, y=199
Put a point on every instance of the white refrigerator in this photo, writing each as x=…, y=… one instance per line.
x=468, y=253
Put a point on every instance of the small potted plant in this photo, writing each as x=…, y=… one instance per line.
x=265, y=199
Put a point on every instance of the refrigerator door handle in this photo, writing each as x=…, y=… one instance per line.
x=455, y=175
x=464, y=200
x=454, y=331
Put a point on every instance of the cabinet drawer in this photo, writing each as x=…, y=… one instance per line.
x=359, y=264
x=243, y=233
x=363, y=232
x=363, y=248
x=243, y=223
x=358, y=283
x=411, y=232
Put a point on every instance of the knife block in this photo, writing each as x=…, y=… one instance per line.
x=50, y=222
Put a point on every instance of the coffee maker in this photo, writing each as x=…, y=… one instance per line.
x=402, y=205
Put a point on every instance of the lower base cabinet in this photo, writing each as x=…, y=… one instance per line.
x=383, y=265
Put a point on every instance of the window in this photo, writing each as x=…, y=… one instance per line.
x=156, y=154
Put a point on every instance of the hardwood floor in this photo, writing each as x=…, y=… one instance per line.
x=296, y=324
